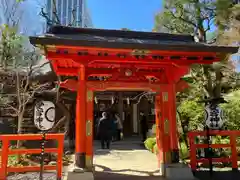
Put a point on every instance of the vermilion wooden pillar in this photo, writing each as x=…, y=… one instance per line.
x=80, y=124
x=173, y=123
x=89, y=131
x=160, y=134
x=169, y=115
x=164, y=119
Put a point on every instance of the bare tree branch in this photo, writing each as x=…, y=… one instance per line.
x=180, y=17
x=45, y=15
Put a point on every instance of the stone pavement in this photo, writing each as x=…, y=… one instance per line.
x=127, y=160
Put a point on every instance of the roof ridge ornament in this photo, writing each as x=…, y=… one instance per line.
x=140, y=52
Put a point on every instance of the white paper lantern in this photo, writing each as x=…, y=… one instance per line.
x=44, y=115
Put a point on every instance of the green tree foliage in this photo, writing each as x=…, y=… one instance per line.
x=17, y=61
x=226, y=10
x=13, y=50
x=192, y=114
x=190, y=110
x=200, y=18
x=187, y=16
x=232, y=110
x=195, y=17
x=228, y=22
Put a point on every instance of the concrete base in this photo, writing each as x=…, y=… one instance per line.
x=178, y=172
x=76, y=173
x=80, y=176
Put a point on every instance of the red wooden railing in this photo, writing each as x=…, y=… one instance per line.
x=233, y=146
x=6, y=151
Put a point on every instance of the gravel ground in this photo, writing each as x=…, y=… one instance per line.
x=34, y=176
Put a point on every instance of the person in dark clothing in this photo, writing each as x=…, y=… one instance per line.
x=119, y=130
x=105, y=130
x=144, y=126
x=114, y=128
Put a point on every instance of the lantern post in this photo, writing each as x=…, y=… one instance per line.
x=44, y=119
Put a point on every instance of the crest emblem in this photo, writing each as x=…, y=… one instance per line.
x=44, y=115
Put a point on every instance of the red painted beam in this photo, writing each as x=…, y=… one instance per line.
x=115, y=65
x=72, y=85
x=96, y=50
x=109, y=72
x=95, y=59
x=119, y=75
x=69, y=84
x=101, y=71
x=67, y=71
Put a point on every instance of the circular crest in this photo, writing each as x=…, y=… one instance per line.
x=44, y=115
x=214, y=117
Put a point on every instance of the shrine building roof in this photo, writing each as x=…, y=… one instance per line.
x=119, y=39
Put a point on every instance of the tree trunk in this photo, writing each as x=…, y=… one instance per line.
x=19, y=131
x=19, y=127
x=208, y=79
x=202, y=38
x=218, y=87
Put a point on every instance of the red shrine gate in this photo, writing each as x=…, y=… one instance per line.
x=125, y=60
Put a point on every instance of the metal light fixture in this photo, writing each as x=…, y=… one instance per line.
x=128, y=101
x=112, y=100
x=96, y=100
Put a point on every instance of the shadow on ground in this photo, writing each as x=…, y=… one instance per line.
x=117, y=176
x=124, y=174
x=112, y=166
x=119, y=146
x=217, y=175
x=109, y=170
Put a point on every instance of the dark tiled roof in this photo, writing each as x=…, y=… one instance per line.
x=63, y=35
x=118, y=35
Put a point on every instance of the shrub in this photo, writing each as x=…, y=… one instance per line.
x=149, y=143
x=183, y=151
x=155, y=149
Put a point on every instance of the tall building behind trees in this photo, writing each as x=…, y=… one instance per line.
x=68, y=13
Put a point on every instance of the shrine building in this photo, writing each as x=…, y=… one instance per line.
x=97, y=60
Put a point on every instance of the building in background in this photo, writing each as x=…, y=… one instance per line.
x=69, y=12
x=28, y=12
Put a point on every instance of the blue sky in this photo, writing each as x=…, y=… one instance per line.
x=117, y=14
x=107, y=14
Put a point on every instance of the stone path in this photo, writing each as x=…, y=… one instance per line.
x=126, y=160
